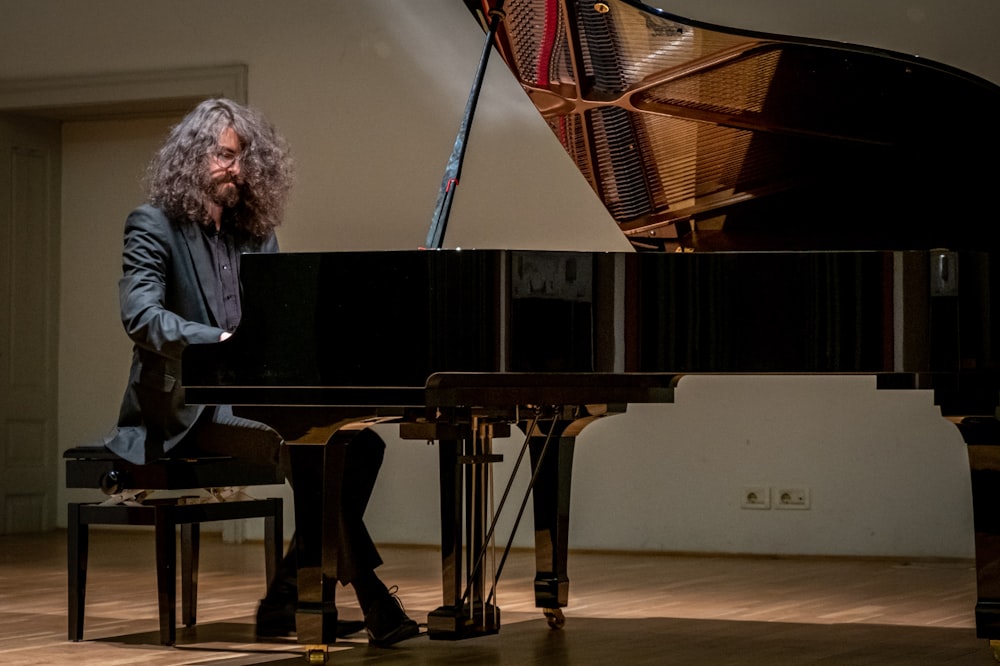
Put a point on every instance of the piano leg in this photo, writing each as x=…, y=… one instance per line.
x=551, y=497
x=446, y=621
x=551, y=444
x=317, y=472
x=982, y=435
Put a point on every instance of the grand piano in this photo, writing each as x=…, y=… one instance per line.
x=794, y=205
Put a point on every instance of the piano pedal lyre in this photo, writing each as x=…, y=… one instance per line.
x=478, y=598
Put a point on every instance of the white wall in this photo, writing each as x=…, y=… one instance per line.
x=370, y=94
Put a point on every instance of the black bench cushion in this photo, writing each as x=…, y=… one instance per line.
x=92, y=466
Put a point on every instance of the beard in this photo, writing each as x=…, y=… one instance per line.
x=225, y=193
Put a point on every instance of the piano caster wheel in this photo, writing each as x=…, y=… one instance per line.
x=316, y=654
x=555, y=617
x=995, y=649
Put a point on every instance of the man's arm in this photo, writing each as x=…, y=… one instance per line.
x=146, y=269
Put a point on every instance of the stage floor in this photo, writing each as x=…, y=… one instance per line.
x=625, y=608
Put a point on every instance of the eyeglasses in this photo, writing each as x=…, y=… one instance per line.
x=226, y=157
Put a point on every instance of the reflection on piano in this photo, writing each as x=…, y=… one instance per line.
x=795, y=206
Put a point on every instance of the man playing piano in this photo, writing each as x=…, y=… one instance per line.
x=216, y=189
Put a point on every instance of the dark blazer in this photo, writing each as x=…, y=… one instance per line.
x=165, y=306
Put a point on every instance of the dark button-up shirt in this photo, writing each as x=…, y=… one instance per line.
x=225, y=264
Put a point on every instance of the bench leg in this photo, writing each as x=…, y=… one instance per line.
x=166, y=573
x=190, y=548
x=77, y=545
x=165, y=521
x=273, y=541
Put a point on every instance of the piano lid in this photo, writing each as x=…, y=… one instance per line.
x=702, y=138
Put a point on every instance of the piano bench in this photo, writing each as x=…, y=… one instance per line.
x=127, y=484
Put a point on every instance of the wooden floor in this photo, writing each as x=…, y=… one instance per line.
x=629, y=609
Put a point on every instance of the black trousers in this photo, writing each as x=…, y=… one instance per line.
x=219, y=432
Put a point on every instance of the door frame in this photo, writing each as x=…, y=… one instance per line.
x=115, y=95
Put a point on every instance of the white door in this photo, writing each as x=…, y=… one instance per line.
x=29, y=282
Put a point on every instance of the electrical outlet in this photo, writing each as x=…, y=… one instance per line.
x=791, y=498
x=756, y=497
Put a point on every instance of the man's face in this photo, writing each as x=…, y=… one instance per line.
x=224, y=170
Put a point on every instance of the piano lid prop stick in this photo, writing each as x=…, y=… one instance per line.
x=453, y=171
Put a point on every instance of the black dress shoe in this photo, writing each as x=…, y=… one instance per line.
x=387, y=624
x=277, y=620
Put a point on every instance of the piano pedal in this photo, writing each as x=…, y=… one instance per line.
x=995, y=649
x=555, y=617
x=316, y=654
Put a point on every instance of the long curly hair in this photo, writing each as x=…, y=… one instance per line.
x=177, y=177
